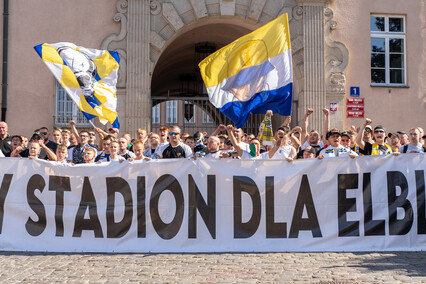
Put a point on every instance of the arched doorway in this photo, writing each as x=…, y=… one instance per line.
x=177, y=90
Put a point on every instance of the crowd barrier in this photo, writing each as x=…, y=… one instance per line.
x=207, y=205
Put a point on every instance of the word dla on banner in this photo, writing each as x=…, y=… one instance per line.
x=367, y=203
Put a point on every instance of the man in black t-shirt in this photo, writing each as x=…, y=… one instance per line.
x=175, y=148
x=5, y=140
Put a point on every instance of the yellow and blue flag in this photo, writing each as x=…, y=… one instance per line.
x=89, y=76
x=253, y=74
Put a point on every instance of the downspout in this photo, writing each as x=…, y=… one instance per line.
x=4, y=67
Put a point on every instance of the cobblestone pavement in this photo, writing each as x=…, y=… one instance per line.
x=389, y=267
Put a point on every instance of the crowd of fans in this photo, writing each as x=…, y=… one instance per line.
x=99, y=146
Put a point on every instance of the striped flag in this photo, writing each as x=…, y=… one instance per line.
x=253, y=74
x=89, y=76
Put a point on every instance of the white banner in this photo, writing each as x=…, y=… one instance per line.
x=336, y=204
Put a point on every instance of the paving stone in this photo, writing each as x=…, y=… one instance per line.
x=375, y=267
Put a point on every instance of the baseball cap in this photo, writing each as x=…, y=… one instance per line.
x=344, y=133
x=380, y=127
x=310, y=149
x=114, y=130
x=333, y=131
x=368, y=127
x=394, y=134
x=36, y=136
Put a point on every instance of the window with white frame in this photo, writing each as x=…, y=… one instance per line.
x=388, y=54
x=156, y=114
x=67, y=110
x=206, y=117
x=171, y=111
x=189, y=112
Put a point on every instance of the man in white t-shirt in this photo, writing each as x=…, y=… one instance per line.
x=415, y=146
x=335, y=149
x=174, y=149
x=213, y=144
x=282, y=150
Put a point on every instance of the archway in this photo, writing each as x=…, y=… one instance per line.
x=177, y=90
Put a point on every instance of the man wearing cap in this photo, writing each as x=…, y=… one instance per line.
x=368, y=134
x=403, y=138
x=335, y=149
x=309, y=152
x=415, y=146
x=378, y=147
x=395, y=141
x=175, y=148
x=199, y=146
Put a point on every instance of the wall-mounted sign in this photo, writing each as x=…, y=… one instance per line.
x=354, y=91
x=355, y=101
x=355, y=108
x=355, y=113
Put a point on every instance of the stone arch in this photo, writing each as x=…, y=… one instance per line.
x=153, y=26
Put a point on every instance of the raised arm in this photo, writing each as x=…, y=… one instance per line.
x=287, y=121
x=15, y=152
x=74, y=131
x=295, y=141
x=359, y=140
x=102, y=134
x=274, y=149
x=304, y=133
x=231, y=137
x=50, y=155
x=220, y=128
x=326, y=125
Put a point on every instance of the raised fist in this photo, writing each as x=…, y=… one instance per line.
x=325, y=111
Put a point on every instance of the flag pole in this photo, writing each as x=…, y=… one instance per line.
x=92, y=124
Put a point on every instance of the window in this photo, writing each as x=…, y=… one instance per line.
x=189, y=115
x=206, y=117
x=171, y=113
x=67, y=110
x=156, y=114
x=387, y=50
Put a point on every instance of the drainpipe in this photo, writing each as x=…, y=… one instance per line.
x=5, y=49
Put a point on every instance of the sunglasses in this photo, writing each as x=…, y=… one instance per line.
x=379, y=131
x=174, y=133
x=345, y=140
x=43, y=133
x=367, y=130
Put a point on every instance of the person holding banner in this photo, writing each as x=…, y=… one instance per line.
x=89, y=155
x=175, y=148
x=138, y=150
x=415, y=146
x=335, y=149
x=253, y=149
